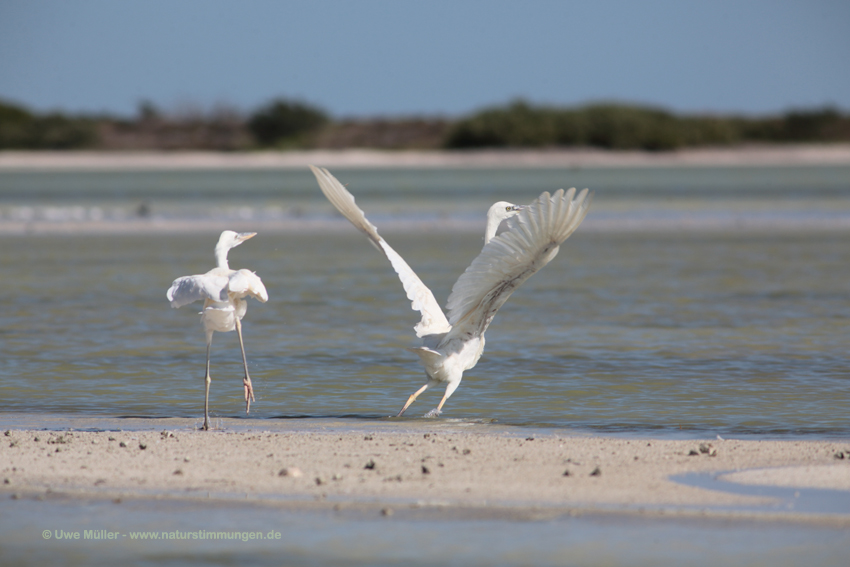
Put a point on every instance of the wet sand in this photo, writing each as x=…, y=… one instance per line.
x=775, y=155
x=422, y=466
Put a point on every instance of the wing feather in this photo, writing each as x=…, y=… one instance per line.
x=531, y=241
x=246, y=282
x=187, y=289
x=433, y=320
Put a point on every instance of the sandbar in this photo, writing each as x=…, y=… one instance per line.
x=749, y=155
x=417, y=466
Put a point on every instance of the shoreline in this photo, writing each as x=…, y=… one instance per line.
x=420, y=465
x=740, y=224
x=742, y=156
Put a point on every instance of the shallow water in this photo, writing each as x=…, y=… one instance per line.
x=815, y=197
x=696, y=301
x=34, y=533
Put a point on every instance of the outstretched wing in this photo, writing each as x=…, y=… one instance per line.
x=531, y=241
x=187, y=289
x=422, y=300
x=246, y=282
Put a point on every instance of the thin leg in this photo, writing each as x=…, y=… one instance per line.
x=249, y=391
x=207, y=381
x=413, y=397
x=440, y=405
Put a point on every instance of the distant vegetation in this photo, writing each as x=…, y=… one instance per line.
x=21, y=129
x=285, y=124
x=621, y=127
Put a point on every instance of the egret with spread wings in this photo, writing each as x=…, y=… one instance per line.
x=223, y=291
x=453, y=342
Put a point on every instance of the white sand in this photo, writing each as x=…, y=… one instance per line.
x=811, y=154
x=439, y=467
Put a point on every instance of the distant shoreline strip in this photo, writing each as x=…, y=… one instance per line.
x=742, y=156
x=607, y=224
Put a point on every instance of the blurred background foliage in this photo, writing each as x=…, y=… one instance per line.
x=621, y=127
x=289, y=124
x=22, y=129
x=285, y=123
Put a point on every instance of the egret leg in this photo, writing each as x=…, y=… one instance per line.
x=207, y=381
x=413, y=397
x=246, y=382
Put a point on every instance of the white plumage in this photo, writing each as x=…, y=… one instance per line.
x=223, y=291
x=453, y=342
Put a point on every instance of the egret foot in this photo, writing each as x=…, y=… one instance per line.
x=433, y=413
x=249, y=393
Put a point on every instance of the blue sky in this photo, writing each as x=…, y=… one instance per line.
x=441, y=57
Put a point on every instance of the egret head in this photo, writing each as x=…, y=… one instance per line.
x=503, y=210
x=228, y=240
x=497, y=213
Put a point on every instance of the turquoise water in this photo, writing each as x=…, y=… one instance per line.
x=692, y=301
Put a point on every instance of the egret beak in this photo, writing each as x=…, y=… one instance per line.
x=243, y=236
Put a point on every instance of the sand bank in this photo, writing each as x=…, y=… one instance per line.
x=436, y=466
x=792, y=155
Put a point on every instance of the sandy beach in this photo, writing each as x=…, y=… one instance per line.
x=775, y=155
x=437, y=466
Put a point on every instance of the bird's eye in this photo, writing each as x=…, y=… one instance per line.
x=509, y=209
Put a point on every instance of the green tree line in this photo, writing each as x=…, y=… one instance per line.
x=621, y=127
x=22, y=129
x=285, y=124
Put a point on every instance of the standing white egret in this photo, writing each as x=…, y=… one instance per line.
x=454, y=343
x=223, y=291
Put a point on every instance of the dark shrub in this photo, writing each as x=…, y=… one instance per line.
x=822, y=124
x=20, y=129
x=283, y=120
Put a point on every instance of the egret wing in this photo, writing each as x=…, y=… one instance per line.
x=433, y=320
x=531, y=241
x=187, y=289
x=246, y=282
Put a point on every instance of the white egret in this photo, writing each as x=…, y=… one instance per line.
x=223, y=291
x=453, y=342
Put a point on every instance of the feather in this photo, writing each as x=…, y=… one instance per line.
x=187, y=289
x=422, y=300
x=246, y=282
x=509, y=259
